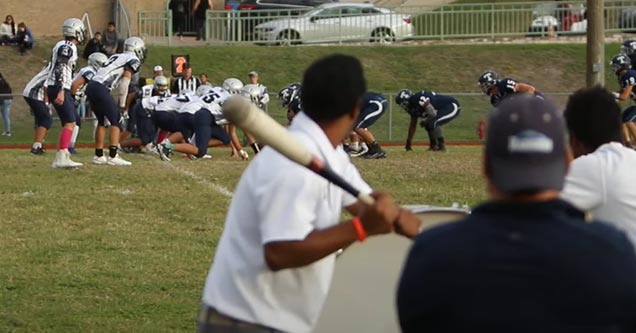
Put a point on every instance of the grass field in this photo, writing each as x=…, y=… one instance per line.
x=111, y=249
x=127, y=249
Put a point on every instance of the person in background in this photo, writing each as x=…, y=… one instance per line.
x=601, y=177
x=252, y=78
x=179, y=9
x=156, y=72
x=24, y=38
x=8, y=31
x=94, y=45
x=204, y=79
x=199, y=8
x=6, y=100
x=111, y=39
x=186, y=83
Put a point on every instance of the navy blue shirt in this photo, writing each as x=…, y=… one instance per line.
x=419, y=99
x=520, y=267
x=505, y=87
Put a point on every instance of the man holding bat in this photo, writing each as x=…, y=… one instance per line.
x=273, y=265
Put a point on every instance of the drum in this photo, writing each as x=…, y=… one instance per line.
x=363, y=290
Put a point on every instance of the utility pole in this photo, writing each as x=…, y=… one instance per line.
x=595, y=73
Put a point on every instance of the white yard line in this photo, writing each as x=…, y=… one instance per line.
x=198, y=179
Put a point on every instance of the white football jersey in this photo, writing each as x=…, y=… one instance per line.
x=87, y=73
x=35, y=88
x=110, y=75
x=63, y=60
x=146, y=91
x=175, y=102
x=151, y=103
x=211, y=101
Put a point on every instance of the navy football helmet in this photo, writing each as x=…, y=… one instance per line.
x=487, y=80
x=402, y=98
x=628, y=47
x=620, y=62
x=288, y=94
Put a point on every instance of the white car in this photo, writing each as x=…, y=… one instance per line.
x=336, y=22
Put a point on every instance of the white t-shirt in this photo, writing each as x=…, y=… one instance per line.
x=278, y=200
x=603, y=183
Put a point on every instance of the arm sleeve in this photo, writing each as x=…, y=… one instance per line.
x=353, y=176
x=265, y=94
x=584, y=186
x=64, y=54
x=286, y=203
x=122, y=91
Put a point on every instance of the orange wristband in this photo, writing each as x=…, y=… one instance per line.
x=362, y=235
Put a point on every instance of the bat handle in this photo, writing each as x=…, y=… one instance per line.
x=366, y=199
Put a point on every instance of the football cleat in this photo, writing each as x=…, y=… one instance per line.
x=117, y=161
x=164, y=151
x=99, y=160
x=63, y=160
x=37, y=151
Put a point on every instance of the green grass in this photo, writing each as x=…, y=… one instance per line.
x=110, y=249
x=443, y=68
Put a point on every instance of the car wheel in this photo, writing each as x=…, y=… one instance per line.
x=288, y=37
x=383, y=36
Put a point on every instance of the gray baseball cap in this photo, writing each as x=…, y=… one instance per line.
x=526, y=145
x=252, y=73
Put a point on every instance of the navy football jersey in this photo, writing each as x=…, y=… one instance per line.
x=505, y=88
x=418, y=100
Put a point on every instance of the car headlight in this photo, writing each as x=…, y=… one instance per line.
x=265, y=29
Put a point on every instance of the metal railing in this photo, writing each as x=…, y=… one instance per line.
x=486, y=20
x=155, y=27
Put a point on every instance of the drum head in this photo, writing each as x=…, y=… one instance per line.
x=363, y=290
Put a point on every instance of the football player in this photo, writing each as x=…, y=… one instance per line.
x=58, y=85
x=373, y=107
x=199, y=122
x=435, y=110
x=628, y=48
x=289, y=98
x=141, y=114
x=115, y=75
x=95, y=61
x=621, y=65
x=500, y=89
x=35, y=96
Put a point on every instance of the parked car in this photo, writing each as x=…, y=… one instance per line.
x=560, y=16
x=336, y=22
x=281, y=4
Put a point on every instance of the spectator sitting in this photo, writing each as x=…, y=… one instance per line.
x=8, y=31
x=24, y=38
x=94, y=45
x=111, y=39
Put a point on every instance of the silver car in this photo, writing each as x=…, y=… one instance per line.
x=337, y=22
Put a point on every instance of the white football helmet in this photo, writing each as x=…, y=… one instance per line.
x=74, y=27
x=252, y=92
x=97, y=60
x=203, y=89
x=232, y=86
x=137, y=46
x=161, y=84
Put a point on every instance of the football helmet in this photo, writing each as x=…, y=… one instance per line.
x=203, y=89
x=402, y=98
x=620, y=62
x=74, y=27
x=288, y=94
x=628, y=47
x=137, y=46
x=161, y=84
x=232, y=85
x=252, y=92
x=487, y=80
x=97, y=60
